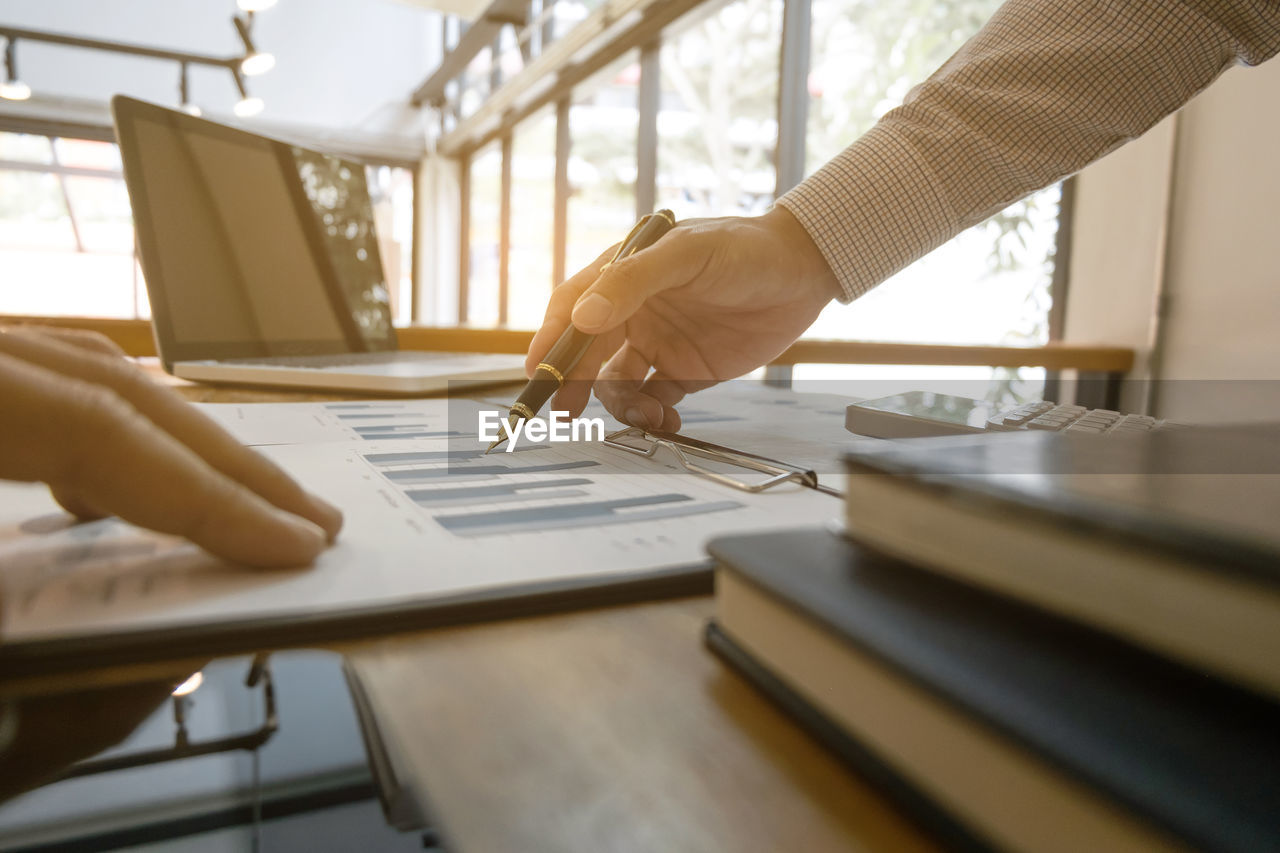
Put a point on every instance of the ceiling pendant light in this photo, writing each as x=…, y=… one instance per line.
x=184, y=100
x=255, y=62
x=191, y=685
x=12, y=89
x=252, y=62
x=247, y=106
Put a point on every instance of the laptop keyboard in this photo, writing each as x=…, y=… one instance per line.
x=343, y=359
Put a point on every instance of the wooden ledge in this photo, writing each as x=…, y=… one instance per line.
x=134, y=337
x=1091, y=358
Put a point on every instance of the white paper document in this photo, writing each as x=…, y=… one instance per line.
x=428, y=516
x=803, y=429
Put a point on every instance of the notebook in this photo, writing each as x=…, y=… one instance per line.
x=262, y=264
x=994, y=724
x=1165, y=538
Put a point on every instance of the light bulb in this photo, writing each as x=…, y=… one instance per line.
x=255, y=5
x=192, y=110
x=247, y=107
x=189, y=686
x=257, y=63
x=15, y=90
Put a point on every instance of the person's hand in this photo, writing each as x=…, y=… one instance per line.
x=109, y=441
x=711, y=300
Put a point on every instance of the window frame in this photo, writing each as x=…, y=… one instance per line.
x=789, y=152
x=56, y=130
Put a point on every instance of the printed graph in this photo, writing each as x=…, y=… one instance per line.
x=561, y=516
x=392, y=432
x=542, y=490
x=374, y=421
x=471, y=495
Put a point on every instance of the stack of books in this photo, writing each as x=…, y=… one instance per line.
x=1037, y=641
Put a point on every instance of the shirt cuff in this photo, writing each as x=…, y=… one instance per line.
x=872, y=210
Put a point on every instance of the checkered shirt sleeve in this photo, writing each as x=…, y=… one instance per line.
x=1043, y=89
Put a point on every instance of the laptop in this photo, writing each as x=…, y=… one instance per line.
x=262, y=265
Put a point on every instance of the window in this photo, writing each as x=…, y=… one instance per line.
x=533, y=174
x=717, y=120
x=67, y=240
x=719, y=71
x=66, y=234
x=990, y=285
x=483, y=260
x=391, y=190
x=603, y=122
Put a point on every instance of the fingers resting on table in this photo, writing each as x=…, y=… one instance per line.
x=107, y=440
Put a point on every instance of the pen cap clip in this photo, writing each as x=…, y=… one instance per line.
x=627, y=243
x=660, y=222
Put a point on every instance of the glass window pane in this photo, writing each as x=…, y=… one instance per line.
x=866, y=55
x=567, y=14
x=25, y=147
x=486, y=188
x=475, y=82
x=533, y=176
x=717, y=125
x=45, y=272
x=391, y=190
x=510, y=58
x=88, y=154
x=71, y=284
x=602, y=164
x=990, y=285
x=33, y=214
x=102, y=213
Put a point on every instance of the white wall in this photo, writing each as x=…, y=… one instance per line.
x=1223, y=282
x=1117, y=250
x=1215, y=253
x=341, y=63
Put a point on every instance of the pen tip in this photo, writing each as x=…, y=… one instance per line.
x=492, y=446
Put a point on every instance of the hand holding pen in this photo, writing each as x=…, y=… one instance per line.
x=712, y=300
x=549, y=375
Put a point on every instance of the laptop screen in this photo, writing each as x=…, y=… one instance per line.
x=250, y=246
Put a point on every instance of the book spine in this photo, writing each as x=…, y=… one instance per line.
x=921, y=809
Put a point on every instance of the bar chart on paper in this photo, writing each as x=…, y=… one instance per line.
x=428, y=455
x=434, y=481
x=294, y=423
x=534, y=489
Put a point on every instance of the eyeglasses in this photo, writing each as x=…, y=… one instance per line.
x=647, y=443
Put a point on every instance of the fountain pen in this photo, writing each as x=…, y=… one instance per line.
x=568, y=350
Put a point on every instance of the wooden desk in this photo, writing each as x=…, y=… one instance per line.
x=610, y=729
x=614, y=729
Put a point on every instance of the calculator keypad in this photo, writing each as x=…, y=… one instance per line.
x=1073, y=419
